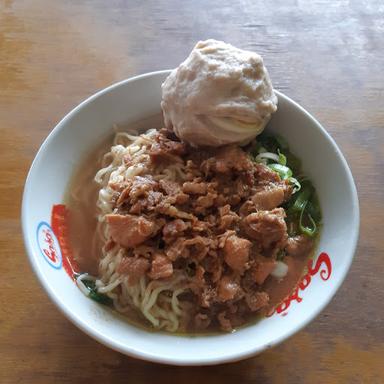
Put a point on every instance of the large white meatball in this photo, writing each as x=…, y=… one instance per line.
x=219, y=95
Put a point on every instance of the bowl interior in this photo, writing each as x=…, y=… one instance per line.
x=136, y=99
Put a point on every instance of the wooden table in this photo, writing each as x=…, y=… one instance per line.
x=327, y=55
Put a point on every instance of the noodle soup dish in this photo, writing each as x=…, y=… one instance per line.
x=181, y=253
x=191, y=240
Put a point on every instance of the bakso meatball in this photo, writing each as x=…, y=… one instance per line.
x=219, y=95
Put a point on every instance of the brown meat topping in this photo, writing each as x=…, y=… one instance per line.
x=164, y=149
x=228, y=158
x=228, y=289
x=256, y=300
x=236, y=253
x=175, y=228
x=134, y=268
x=202, y=321
x=228, y=218
x=216, y=223
x=197, y=247
x=195, y=188
x=269, y=197
x=129, y=230
x=299, y=246
x=161, y=267
x=224, y=322
x=262, y=268
x=263, y=173
x=267, y=228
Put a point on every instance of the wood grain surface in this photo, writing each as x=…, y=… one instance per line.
x=328, y=55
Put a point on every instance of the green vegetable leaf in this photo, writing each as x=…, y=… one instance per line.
x=96, y=296
x=301, y=199
x=283, y=171
x=100, y=298
x=310, y=228
x=303, y=208
x=282, y=158
x=296, y=184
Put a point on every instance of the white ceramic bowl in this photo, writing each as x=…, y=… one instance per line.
x=132, y=100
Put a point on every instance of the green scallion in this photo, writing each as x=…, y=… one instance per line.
x=310, y=229
x=296, y=184
x=301, y=200
x=94, y=295
x=282, y=158
x=263, y=157
x=283, y=171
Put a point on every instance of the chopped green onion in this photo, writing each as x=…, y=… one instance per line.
x=94, y=295
x=100, y=298
x=90, y=284
x=307, y=230
x=301, y=200
x=283, y=171
x=296, y=184
x=282, y=159
x=303, y=210
x=314, y=209
x=264, y=156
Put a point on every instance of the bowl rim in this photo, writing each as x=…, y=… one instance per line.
x=232, y=356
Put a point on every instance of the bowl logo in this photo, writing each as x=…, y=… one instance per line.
x=323, y=265
x=49, y=245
